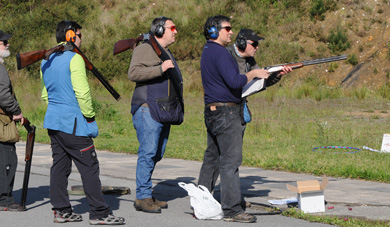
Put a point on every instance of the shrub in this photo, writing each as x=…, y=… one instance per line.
x=319, y=7
x=317, y=10
x=338, y=40
x=352, y=59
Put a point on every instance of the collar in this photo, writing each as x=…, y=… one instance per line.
x=1, y=60
x=236, y=50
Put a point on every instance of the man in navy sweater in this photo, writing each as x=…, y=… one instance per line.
x=222, y=83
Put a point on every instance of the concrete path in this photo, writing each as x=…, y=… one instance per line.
x=369, y=200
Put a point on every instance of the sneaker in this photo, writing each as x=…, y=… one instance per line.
x=243, y=218
x=146, y=205
x=109, y=220
x=11, y=207
x=161, y=204
x=61, y=217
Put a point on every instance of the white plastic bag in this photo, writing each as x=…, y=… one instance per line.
x=203, y=203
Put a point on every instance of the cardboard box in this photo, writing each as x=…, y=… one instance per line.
x=310, y=195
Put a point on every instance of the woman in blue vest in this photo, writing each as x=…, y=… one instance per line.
x=70, y=120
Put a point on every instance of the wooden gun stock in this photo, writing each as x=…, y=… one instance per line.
x=126, y=44
x=28, y=58
x=25, y=59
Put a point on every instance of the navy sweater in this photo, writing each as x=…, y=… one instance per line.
x=221, y=79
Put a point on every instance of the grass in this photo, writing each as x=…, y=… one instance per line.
x=333, y=220
x=284, y=129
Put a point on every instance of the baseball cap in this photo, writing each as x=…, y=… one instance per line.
x=4, y=36
x=249, y=35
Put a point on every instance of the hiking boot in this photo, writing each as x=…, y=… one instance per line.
x=146, y=205
x=161, y=204
x=243, y=218
x=109, y=220
x=61, y=217
x=11, y=207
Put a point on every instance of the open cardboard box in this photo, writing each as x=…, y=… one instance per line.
x=310, y=195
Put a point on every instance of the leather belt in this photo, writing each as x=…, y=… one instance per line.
x=222, y=104
x=145, y=105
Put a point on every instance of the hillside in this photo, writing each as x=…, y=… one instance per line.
x=291, y=34
x=367, y=29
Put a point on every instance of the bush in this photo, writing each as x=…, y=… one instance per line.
x=352, y=59
x=317, y=10
x=338, y=40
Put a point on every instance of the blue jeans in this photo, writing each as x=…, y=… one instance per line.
x=223, y=156
x=152, y=137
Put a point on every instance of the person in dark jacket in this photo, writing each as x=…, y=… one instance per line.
x=8, y=107
x=223, y=82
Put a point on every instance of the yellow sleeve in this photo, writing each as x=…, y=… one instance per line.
x=44, y=94
x=80, y=85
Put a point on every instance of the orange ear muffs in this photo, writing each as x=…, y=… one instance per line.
x=70, y=36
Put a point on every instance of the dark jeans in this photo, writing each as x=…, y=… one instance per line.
x=223, y=155
x=65, y=148
x=8, y=164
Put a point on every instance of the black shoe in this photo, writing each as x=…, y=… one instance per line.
x=11, y=207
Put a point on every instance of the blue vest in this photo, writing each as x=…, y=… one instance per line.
x=63, y=111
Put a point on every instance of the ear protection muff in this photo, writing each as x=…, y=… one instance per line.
x=241, y=42
x=160, y=30
x=70, y=33
x=213, y=32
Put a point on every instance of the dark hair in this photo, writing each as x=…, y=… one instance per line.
x=158, y=21
x=63, y=27
x=215, y=21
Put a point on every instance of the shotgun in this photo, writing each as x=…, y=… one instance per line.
x=126, y=44
x=28, y=157
x=257, y=84
x=296, y=65
x=28, y=58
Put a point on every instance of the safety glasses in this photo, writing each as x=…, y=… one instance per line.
x=173, y=28
x=254, y=44
x=227, y=28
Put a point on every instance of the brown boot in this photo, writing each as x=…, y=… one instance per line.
x=161, y=204
x=146, y=205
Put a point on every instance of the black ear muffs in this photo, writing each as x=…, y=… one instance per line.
x=70, y=32
x=213, y=32
x=241, y=42
x=160, y=30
